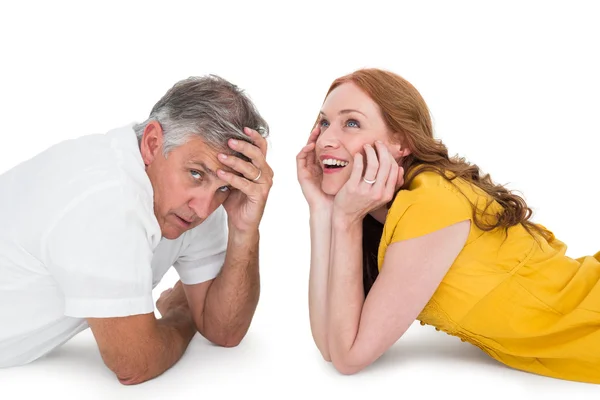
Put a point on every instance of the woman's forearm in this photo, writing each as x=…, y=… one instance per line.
x=320, y=237
x=345, y=291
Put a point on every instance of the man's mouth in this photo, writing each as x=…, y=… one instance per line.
x=184, y=221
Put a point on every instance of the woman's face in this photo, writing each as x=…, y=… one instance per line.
x=349, y=120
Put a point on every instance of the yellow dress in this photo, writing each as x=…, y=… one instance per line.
x=524, y=303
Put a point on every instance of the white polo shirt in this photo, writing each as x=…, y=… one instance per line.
x=79, y=239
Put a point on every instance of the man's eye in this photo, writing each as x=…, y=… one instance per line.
x=196, y=175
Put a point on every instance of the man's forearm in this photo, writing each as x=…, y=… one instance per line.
x=233, y=296
x=176, y=329
x=178, y=323
x=140, y=348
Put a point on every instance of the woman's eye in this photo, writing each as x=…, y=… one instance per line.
x=324, y=123
x=352, y=123
x=224, y=189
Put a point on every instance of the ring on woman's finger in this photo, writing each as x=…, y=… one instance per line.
x=369, y=181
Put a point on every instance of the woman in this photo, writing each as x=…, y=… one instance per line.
x=400, y=231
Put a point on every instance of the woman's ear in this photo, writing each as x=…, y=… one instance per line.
x=405, y=151
x=399, y=151
x=399, y=146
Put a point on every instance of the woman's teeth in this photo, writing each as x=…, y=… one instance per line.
x=334, y=163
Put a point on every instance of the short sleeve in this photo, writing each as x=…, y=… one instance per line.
x=99, y=251
x=427, y=210
x=204, y=253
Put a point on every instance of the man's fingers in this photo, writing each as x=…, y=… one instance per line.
x=248, y=170
x=258, y=140
x=244, y=185
x=254, y=154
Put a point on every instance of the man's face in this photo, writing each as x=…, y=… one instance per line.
x=186, y=187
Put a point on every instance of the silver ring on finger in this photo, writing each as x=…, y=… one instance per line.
x=370, y=182
x=258, y=177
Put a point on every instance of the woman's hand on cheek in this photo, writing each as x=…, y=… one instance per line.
x=310, y=175
x=369, y=187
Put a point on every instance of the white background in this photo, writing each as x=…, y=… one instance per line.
x=513, y=86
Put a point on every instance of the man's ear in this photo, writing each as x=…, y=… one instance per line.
x=152, y=142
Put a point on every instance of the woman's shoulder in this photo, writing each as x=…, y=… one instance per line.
x=431, y=187
x=430, y=202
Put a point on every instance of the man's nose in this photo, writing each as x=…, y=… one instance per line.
x=201, y=205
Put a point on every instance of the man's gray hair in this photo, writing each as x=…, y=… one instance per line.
x=210, y=107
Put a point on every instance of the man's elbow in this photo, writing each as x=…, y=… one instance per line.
x=229, y=342
x=229, y=339
x=129, y=379
x=221, y=334
x=130, y=372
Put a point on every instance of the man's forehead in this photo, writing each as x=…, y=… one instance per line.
x=206, y=157
x=209, y=163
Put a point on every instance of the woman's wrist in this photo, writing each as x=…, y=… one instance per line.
x=344, y=221
x=320, y=211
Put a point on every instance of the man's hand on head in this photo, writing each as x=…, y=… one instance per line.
x=245, y=206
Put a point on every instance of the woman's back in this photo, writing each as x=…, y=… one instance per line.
x=517, y=297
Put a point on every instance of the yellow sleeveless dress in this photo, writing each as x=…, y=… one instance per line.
x=523, y=302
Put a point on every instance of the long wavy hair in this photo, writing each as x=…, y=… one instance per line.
x=407, y=115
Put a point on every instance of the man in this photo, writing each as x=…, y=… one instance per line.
x=91, y=225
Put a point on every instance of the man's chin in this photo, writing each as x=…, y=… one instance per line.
x=171, y=233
